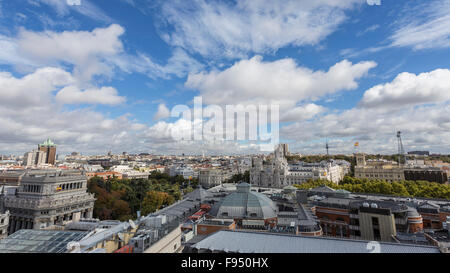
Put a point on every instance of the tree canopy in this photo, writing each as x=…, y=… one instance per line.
x=400, y=188
x=121, y=199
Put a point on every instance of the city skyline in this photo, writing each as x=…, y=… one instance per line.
x=106, y=74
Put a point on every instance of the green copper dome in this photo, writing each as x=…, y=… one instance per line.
x=48, y=142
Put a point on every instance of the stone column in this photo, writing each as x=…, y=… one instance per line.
x=12, y=225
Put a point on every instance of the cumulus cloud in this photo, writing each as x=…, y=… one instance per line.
x=33, y=89
x=87, y=51
x=90, y=53
x=103, y=95
x=303, y=112
x=280, y=82
x=410, y=89
x=374, y=129
x=29, y=114
x=219, y=28
x=162, y=113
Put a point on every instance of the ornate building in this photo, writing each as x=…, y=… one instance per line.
x=378, y=169
x=47, y=198
x=277, y=173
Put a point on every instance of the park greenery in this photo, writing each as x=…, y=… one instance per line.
x=121, y=199
x=400, y=188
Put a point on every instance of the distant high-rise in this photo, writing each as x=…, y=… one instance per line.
x=50, y=148
x=285, y=148
x=35, y=158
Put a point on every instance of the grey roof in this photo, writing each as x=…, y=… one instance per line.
x=412, y=212
x=39, y=241
x=258, y=242
x=243, y=201
x=429, y=205
x=394, y=206
x=323, y=189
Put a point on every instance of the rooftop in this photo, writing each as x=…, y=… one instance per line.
x=39, y=241
x=256, y=242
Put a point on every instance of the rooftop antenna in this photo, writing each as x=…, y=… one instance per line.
x=401, y=150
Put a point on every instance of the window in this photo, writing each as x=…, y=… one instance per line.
x=376, y=234
x=375, y=221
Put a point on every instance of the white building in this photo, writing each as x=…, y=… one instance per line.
x=186, y=171
x=121, y=168
x=278, y=173
x=34, y=158
x=135, y=174
x=210, y=177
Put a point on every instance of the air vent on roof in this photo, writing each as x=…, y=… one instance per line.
x=374, y=206
x=366, y=205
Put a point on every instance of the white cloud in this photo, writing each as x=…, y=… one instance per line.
x=163, y=112
x=179, y=64
x=29, y=114
x=87, y=51
x=216, y=28
x=375, y=129
x=368, y=29
x=103, y=95
x=87, y=8
x=280, y=82
x=33, y=89
x=9, y=53
x=417, y=105
x=410, y=89
x=303, y=112
x=91, y=53
x=427, y=27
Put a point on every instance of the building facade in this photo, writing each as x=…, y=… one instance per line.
x=277, y=173
x=8, y=178
x=210, y=177
x=34, y=158
x=366, y=219
x=45, y=199
x=186, y=171
x=4, y=222
x=378, y=170
x=49, y=148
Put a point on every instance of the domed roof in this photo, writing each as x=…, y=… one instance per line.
x=412, y=212
x=247, y=204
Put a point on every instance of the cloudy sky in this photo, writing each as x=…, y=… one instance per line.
x=104, y=75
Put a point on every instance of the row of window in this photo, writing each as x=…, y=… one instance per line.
x=69, y=186
x=32, y=188
x=381, y=175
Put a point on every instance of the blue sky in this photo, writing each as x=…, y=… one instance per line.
x=103, y=75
